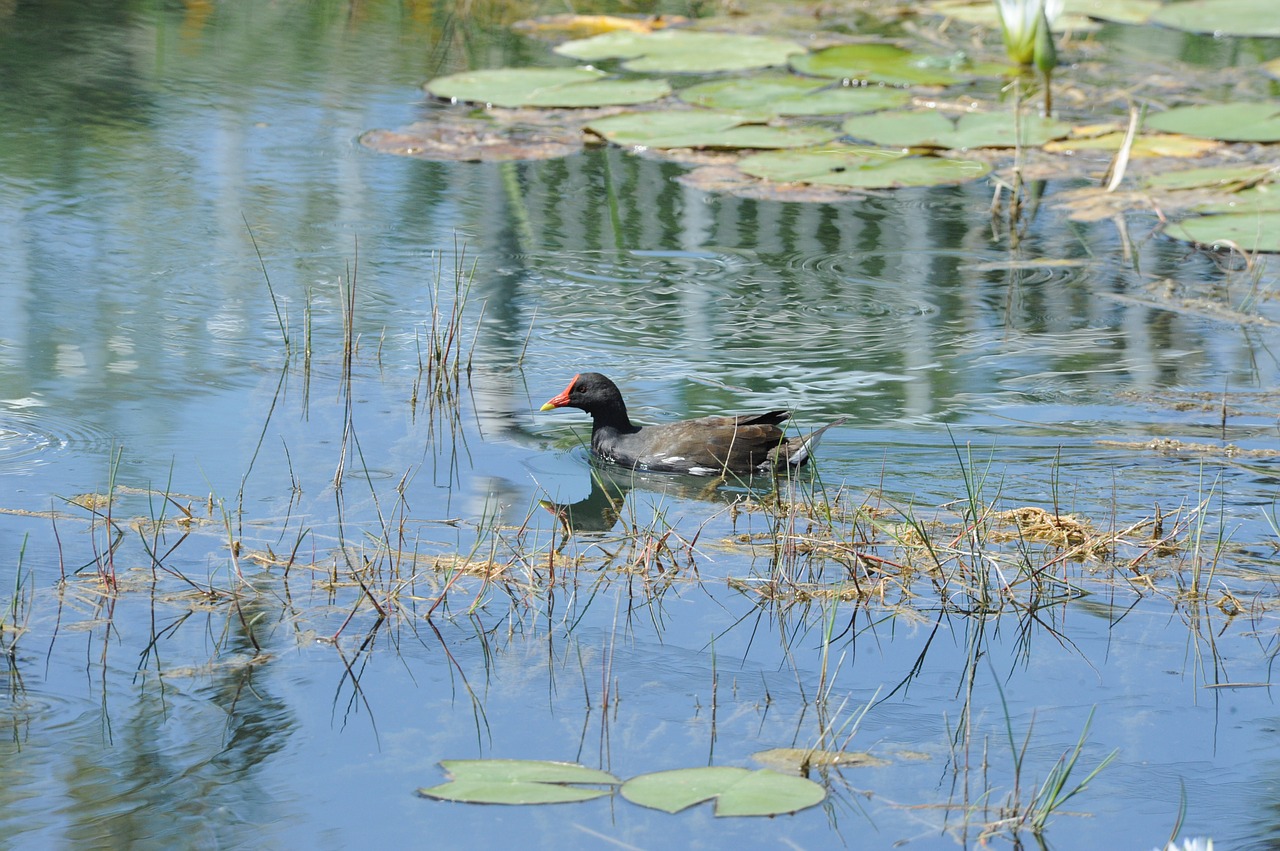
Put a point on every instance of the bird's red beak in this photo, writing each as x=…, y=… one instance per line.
x=561, y=400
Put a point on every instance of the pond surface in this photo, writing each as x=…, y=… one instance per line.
x=317, y=576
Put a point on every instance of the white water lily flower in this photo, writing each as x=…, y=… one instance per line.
x=1197, y=844
x=1020, y=23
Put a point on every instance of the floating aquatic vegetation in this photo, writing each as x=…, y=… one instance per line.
x=860, y=168
x=683, y=128
x=1248, y=232
x=452, y=138
x=555, y=87
x=1145, y=145
x=935, y=129
x=519, y=781
x=683, y=51
x=1229, y=178
x=765, y=111
x=585, y=26
x=1252, y=18
x=736, y=791
x=1120, y=11
x=1259, y=199
x=796, y=760
x=1229, y=122
x=888, y=63
x=769, y=95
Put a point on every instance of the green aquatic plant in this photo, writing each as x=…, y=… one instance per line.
x=1058, y=786
x=13, y=625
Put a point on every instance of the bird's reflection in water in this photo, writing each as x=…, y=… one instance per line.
x=599, y=510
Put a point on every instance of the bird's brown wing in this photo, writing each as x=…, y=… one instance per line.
x=712, y=445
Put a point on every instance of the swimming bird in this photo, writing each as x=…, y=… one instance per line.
x=707, y=446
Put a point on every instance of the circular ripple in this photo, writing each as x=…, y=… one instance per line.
x=31, y=436
x=630, y=268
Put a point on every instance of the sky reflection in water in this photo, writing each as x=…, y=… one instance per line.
x=134, y=318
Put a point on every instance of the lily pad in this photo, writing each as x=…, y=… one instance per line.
x=581, y=26
x=567, y=87
x=456, y=139
x=517, y=781
x=932, y=129
x=812, y=165
x=887, y=63
x=702, y=129
x=683, y=51
x=1120, y=11
x=1228, y=177
x=1146, y=145
x=786, y=94
x=860, y=168
x=1260, y=199
x=1222, y=17
x=737, y=791
x=910, y=171
x=1229, y=122
x=1249, y=231
x=724, y=179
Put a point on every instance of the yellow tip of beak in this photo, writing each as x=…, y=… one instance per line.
x=548, y=407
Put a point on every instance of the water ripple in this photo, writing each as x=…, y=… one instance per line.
x=30, y=435
x=626, y=268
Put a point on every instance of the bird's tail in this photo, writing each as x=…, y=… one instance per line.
x=799, y=448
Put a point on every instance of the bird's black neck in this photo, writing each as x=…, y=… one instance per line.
x=612, y=417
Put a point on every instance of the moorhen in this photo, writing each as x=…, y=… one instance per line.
x=708, y=446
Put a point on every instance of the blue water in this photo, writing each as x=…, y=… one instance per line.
x=238, y=687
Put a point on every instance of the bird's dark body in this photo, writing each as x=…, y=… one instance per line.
x=707, y=446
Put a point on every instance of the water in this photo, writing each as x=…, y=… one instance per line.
x=155, y=160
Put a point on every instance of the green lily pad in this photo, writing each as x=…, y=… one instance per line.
x=725, y=179
x=1259, y=199
x=683, y=51
x=1228, y=177
x=1249, y=231
x=1222, y=17
x=786, y=94
x=1229, y=122
x=563, y=87
x=1120, y=11
x=860, y=168
x=737, y=791
x=813, y=165
x=932, y=129
x=886, y=63
x=910, y=171
x=518, y=781
x=702, y=129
